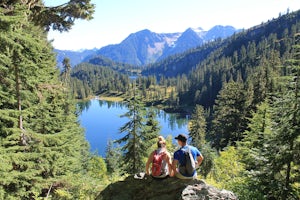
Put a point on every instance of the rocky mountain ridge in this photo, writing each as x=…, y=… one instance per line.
x=145, y=46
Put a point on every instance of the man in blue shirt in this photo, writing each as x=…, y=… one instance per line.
x=179, y=158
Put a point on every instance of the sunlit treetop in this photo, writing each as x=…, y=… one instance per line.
x=59, y=17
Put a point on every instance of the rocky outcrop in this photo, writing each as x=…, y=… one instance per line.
x=149, y=188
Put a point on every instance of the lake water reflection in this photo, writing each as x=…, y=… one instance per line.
x=101, y=121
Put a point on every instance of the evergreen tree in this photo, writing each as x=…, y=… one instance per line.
x=284, y=157
x=60, y=17
x=229, y=115
x=197, y=127
x=66, y=71
x=134, y=148
x=253, y=143
x=41, y=143
x=270, y=148
x=96, y=167
x=253, y=151
x=152, y=128
x=227, y=170
x=197, y=133
x=113, y=158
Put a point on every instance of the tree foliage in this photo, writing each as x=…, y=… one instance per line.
x=113, y=159
x=140, y=132
x=41, y=142
x=60, y=17
x=88, y=79
x=229, y=115
x=227, y=169
x=133, y=146
x=197, y=127
x=270, y=148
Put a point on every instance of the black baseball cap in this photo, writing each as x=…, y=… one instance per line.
x=181, y=137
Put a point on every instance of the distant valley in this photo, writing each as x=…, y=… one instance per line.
x=145, y=47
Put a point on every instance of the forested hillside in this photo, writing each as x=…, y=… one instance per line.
x=203, y=71
x=89, y=80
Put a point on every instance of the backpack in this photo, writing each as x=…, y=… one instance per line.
x=157, y=168
x=190, y=164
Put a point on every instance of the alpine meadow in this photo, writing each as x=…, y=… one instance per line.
x=240, y=93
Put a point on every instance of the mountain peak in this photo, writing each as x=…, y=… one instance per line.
x=144, y=31
x=199, y=30
x=222, y=27
x=220, y=31
x=189, y=31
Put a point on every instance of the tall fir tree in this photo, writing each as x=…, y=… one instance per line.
x=197, y=127
x=197, y=133
x=230, y=112
x=113, y=157
x=253, y=143
x=254, y=151
x=65, y=75
x=151, y=131
x=133, y=145
x=60, y=17
x=285, y=141
x=270, y=148
x=41, y=143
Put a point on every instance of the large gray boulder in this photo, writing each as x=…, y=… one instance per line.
x=149, y=188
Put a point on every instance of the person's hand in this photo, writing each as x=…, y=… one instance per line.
x=171, y=173
x=197, y=165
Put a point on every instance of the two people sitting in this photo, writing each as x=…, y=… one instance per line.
x=177, y=167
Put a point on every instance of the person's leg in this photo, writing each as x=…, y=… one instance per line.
x=180, y=176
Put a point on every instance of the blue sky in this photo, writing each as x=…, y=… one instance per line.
x=114, y=20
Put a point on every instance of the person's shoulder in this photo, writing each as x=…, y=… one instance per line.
x=192, y=147
x=178, y=150
x=152, y=153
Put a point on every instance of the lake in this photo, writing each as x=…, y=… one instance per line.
x=101, y=121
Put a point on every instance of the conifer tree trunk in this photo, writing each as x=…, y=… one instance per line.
x=23, y=138
x=18, y=97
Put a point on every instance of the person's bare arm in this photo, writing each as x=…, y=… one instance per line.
x=150, y=158
x=199, y=160
x=169, y=162
x=174, y=167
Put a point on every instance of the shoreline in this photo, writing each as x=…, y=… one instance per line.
x=181, y=111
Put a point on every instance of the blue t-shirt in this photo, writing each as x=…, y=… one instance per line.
x=179, y=154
